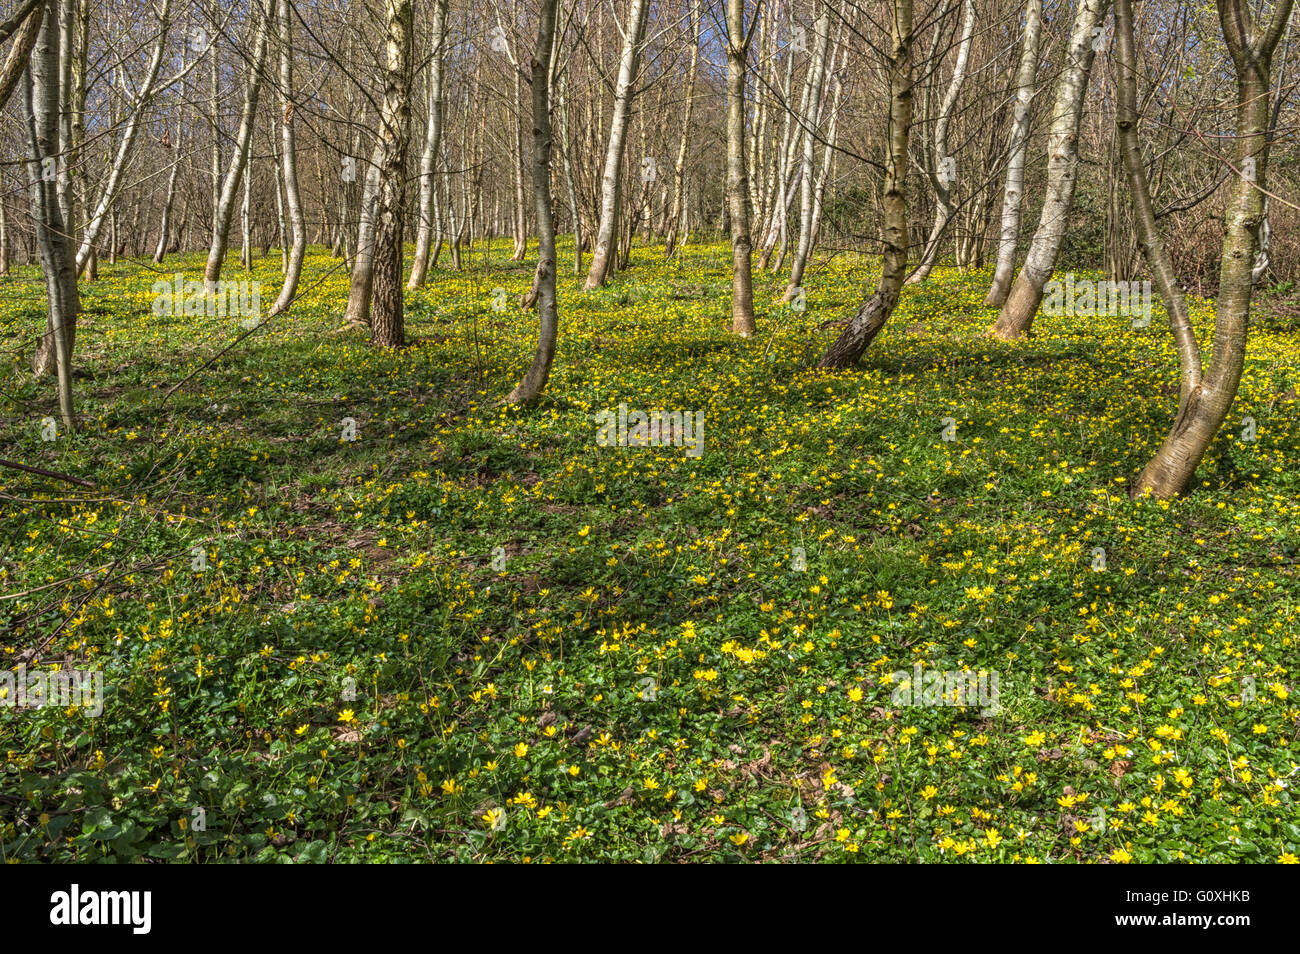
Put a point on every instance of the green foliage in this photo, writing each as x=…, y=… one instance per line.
x=683, y=658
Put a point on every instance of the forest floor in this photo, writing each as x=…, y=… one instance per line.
x=345, y=606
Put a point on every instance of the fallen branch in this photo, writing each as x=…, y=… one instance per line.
x=80, y=481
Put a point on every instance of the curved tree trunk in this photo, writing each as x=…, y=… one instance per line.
x=1152, y=242
x=870, y=318
x=1062, y=176
x=1017, y=146
x=1171, y=471
x=125, y=149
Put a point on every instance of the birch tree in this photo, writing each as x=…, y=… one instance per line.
x=41, y=98
x=611, y=183
x=432, y=144
x=808, y=127
x=1206, y=397
x=289, y=161
x=230, y=185
x=941, y=175
x=871, y=316
x=742, y=279
x=1026, y=294
x=534, y=381
x=1017, y=146
x=387, y=325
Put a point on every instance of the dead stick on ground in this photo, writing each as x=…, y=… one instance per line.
x=49, y=473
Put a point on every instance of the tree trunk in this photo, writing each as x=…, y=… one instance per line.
x=742, y=288
x=239, y=159
x=571, y=188
x=1062, y=172
x=289, y=165
x=533, y=383
x=676, y=216
x=164, y=226
x=1171, y=471
x=1017, y=146
x=939, y=175
x=611, y=183
x=363, y=258
x=807, y=186
x=387, y=327
x=432, y=143
x=875, y=311
x=41, y=94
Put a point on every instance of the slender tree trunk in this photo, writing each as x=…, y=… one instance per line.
x=611, y=184
x=1251, y=45
x=432, y=144
x=289, y=165
x=566, y=145
x=239, y=159
x=531, y=387
x=1017, y=146
x=136, y=117
x=676, y=225
x=245, y=225
x=1265, y=242
x=4, y=239
x=1152, y=242
x=939, y=175
x=742, y=288
x=363, y=258
x=387, y=327
x=24, y=39
x=806, y=184
x=164, y=226
x=41, y=94
x=870, y=318
x=1062, y=176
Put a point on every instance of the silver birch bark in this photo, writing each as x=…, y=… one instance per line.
x=1017, y=146
x=806, y=184
x=611, y=183
x=289, y=165
x=534, y=381
x=1062, y=175
x=239, y=158
x=432, y=143
x=943, y=206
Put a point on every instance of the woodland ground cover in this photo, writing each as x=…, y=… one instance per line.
x=476, y=633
